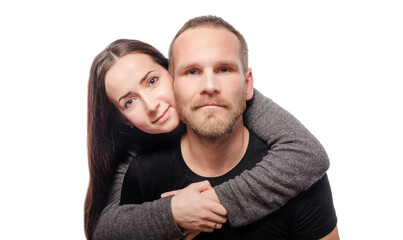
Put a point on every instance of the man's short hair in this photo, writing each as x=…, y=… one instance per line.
x=214, y=22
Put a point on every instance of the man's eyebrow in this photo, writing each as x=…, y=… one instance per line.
x=227, y=63
x=220, y=63
x=187, y=66
x=141, y=81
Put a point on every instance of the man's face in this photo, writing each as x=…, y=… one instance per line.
x=210, y=87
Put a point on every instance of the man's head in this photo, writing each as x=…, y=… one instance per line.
x=211, y=84
x=213, y=22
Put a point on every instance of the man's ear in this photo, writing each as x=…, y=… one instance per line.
x=248, y=84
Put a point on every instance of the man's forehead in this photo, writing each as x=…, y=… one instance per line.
x=202, y=32
x=196, y=41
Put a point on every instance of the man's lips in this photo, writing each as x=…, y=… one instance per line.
x=209, y=105
x=210, y=102
x=164, y=114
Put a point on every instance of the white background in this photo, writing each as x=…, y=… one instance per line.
x=337, y=66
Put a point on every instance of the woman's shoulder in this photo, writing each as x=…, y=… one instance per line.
x=146, y=143
x=152, y=161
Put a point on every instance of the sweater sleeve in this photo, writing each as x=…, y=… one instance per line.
x=150, y=220
x=294, y=162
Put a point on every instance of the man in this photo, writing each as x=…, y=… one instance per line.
x=212, y=84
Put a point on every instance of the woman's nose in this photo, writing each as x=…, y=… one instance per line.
x=151, y=104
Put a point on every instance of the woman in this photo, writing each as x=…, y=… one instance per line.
x=294, y=152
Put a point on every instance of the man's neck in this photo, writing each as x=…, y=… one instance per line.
x=215, y=158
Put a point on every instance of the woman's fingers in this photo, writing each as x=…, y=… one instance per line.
x=195, y=213
x=212, y=228
x=216, y=208
x=191, y=235
x=217, y=226
x=202, y=186
x=210, y=213
x=166, y=194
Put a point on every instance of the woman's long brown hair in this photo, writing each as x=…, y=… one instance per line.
x=108, y=138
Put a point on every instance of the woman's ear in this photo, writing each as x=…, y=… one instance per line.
x=125, y=121
x=248, y=84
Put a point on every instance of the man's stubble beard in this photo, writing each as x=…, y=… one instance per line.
x=207, y=129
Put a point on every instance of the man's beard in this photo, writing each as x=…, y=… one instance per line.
x=211, y=130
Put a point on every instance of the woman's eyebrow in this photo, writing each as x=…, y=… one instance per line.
x=124, y=96
x=145, y=77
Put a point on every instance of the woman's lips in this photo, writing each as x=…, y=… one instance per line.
x=164, y=116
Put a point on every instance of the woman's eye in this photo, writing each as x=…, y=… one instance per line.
x=152, y=81
x=129, y=102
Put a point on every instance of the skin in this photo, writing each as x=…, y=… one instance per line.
x=208, y=67
x=142, y=91
x=208, y=64
x=334, y=235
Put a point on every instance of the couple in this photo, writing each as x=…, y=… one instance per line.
x=134, y=104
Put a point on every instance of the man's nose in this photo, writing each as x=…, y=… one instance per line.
x=210, y=84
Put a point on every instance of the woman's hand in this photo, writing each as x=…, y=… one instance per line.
x=193, y=212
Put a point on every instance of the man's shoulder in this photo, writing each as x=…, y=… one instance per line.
x=257, y=149
x=309, y=215
x=313, y=211
x=316, y=192
x=256, y=141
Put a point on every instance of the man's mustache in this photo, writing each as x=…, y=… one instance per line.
x=215, y=100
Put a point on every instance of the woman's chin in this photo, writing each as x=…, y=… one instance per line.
x=162, y=128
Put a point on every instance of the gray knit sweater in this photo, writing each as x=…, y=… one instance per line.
x=294, y=162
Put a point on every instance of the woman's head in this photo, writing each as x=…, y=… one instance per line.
x=132, y=76
x=114, y=73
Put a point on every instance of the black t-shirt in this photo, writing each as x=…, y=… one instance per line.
x=309, y=215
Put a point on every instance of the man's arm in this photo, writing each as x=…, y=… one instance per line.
x=312, y=214
x=294, y=162
x=334, y=235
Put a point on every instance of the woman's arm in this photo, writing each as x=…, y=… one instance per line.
x=294, y=162
x=150, y=220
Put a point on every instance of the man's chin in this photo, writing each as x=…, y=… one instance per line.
x=212, y=124
x=213, y=115
x=211, y=128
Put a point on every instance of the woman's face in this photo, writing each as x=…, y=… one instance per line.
x=142, y=91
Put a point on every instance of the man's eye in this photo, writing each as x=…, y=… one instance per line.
x=152, y=81
x=129, y=102
x=191, y=72
x=224, y=70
